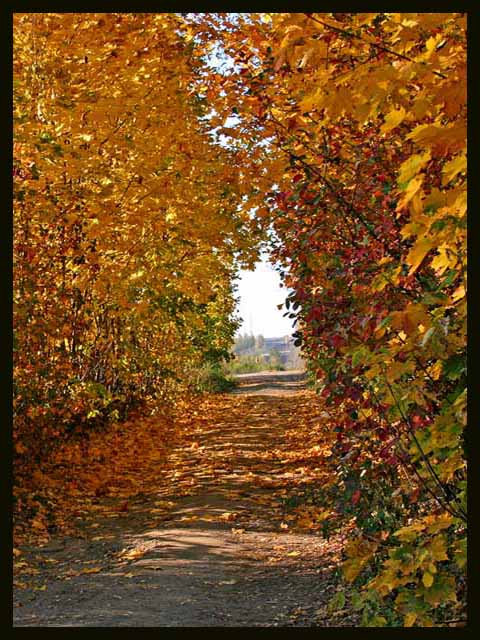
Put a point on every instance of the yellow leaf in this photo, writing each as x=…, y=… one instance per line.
x=452, y=168
x=459, y=293
x=91, y=570
x=398, y=369
x=412, y=166
x=438, y=548
x=412, y=229
x=427, y=579
x=413, y=186
x=416, y=205
x=425, y=133
x=435, y=199
x=385, y=582
x=351, y=568
x=418, y=252
x=444, y=260
x=410, y=619
x=306, y=57
x=373, y=371
x=229, y=516
x=393, y=119
x=431, y=43
x=410, y=532
x=435, y=370
x=310, y=100
x=360, y=552
x=459, y=206
x=421, y=106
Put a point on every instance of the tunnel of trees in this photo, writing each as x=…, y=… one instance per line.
x=154, y=155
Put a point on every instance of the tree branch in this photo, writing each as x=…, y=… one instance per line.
x=380, y=47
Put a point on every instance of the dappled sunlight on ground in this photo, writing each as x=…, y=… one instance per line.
x=217, y=509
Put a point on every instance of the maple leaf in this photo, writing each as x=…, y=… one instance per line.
x=452, y=168
x=412, y=166
x=393, y=119
x=418, y=252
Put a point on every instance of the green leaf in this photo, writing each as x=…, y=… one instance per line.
x=460, y=552
x=360, y=356
x=454, y=367
x=358, y=601
x=385, y=322
x=337, y=602
x=443, y=590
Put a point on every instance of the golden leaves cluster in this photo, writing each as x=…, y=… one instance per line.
x=128, y=225
x=316, y=86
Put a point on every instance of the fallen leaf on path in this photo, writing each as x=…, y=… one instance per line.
x=228, y=516
x=20, y=585
x=91, y=570
x=133, y=553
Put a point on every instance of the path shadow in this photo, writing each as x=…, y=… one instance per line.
x=218, y=555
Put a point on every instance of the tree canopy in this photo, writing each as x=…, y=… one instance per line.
x=155, y=153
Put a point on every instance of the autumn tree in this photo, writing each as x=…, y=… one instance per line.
x=359, y=123
x=127, y=229
x=153, y=152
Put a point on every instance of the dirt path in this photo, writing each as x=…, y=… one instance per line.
x=271, y=383
x=218, y=552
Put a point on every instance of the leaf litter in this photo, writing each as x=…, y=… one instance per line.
x=146, y=485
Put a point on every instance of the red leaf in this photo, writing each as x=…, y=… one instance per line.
x=356, y=496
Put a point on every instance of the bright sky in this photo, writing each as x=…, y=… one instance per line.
x=260, y=293
x=259, y=290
